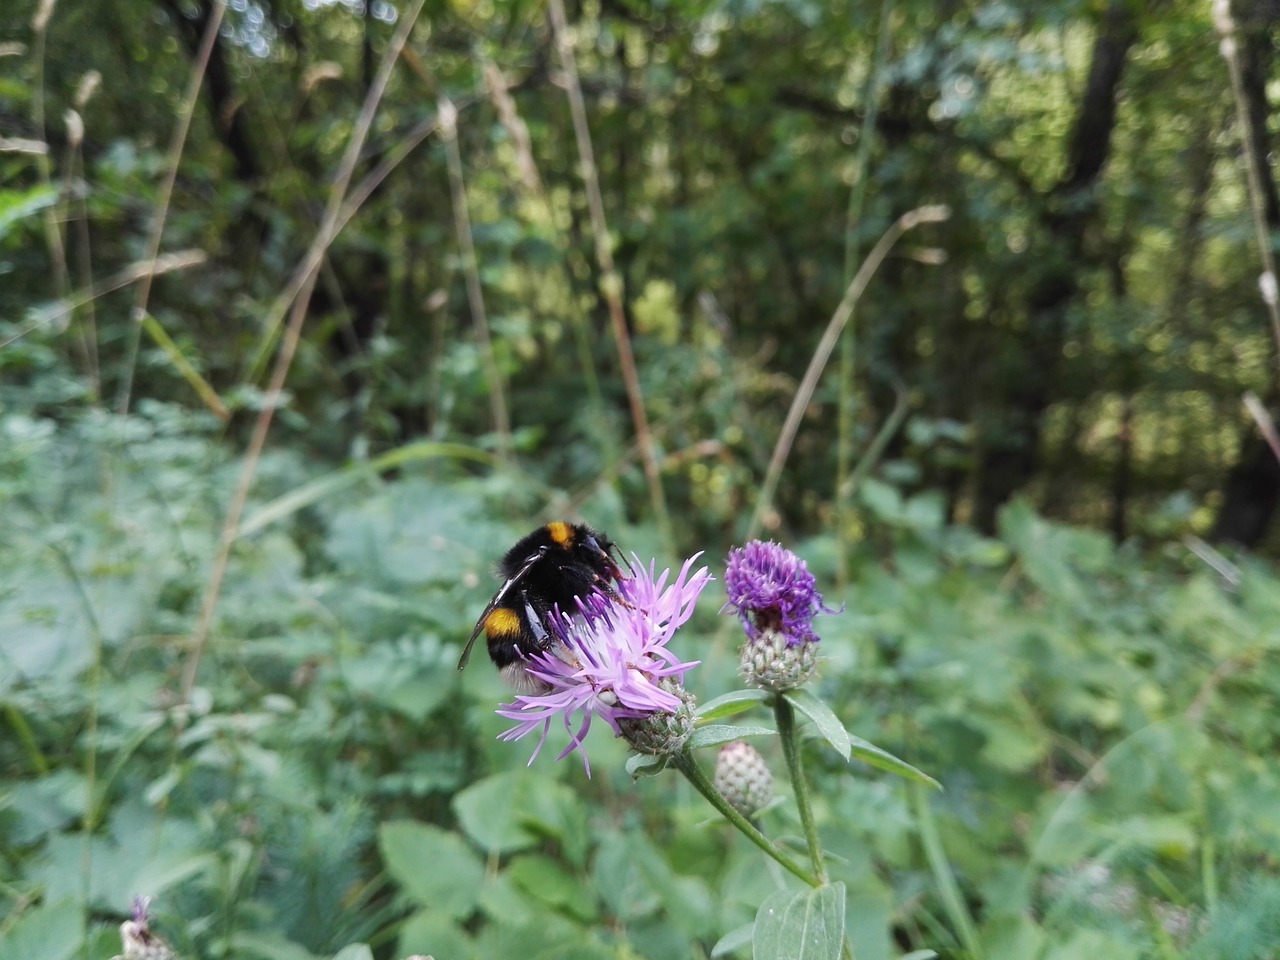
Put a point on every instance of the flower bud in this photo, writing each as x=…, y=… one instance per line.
x=772, y=662
x=743, y=779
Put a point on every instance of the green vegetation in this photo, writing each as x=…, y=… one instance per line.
x=289, y=357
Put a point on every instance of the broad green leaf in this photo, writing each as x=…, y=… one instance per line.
x=715, y=734
x=428, y=933
x=487, y=811
x=435, y=868
x=355, y=951
x=48, y=932
x=823, y=718
x=732, y=703
x=627, y=871
x=548, y=882
x=808, y=925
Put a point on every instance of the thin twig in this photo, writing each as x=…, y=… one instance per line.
x=329, y=231
x=804, y=393
x=1263, y=420
x=40, y=149
x=176, y=145
x=518, y=130
x=847, y=385
x=610, y=279
x=289, y=345
x=448, y=114
x=179, y=260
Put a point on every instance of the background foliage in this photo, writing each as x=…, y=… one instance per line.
x=275, y=760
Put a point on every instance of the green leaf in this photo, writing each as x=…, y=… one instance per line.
x=734, y=940
x=645, y=765
x=269, y=945
x=823, y=718
x=512, y=811
x=428, y=933
x=487, y=810
x=800, y=926
x=731, y=704
x=355, y=951
x=334, y=483
x=872, y=755
x=50, y=932
x=546, y=881
x=435, y=868
x=715, y=734
x=17, y=205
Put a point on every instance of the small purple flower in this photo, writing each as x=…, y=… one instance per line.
x=611, y=660
x=772, y=590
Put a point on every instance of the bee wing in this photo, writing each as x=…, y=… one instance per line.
x=498, y=597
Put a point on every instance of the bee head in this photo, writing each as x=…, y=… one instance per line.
x=598, y=550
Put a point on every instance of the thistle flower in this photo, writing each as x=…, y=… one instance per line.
x=610, y=660
x=743, y=778
x=776, y=598
x=136, y=938
x=772, y=590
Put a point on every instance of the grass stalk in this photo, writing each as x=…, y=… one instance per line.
x=688, y=766
x=846, y=382
x=143, y=293
x=448, y=114
x=289, y=345
x=785, y=715
x=611, y=286
x=818, y=362
x=943, y=876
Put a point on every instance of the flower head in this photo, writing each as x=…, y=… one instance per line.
x=772, y=591
x=743, y=778
x=137, y=938
x=610, y=660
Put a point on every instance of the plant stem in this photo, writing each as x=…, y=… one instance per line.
x=786, y=718
x=686, y=764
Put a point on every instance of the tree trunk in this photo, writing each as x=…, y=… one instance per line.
x=1010, y=451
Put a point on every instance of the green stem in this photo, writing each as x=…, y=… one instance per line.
x=686, y=764
x=786, y=718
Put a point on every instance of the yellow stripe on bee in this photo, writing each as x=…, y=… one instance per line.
x=561, y=533
x=502, y=623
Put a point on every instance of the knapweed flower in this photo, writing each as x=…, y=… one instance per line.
x=772, y=590
x=776, y=598
x=137, y=939
x=610, y=660
x=743, y=778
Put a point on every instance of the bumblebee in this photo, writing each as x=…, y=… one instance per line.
x=549, y=568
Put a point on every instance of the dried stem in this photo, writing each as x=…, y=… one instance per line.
x=143, y=293
x=448, y=114
x=1263, y=420
x=610, y=280
x=1229, y=46
x=804, y=393
x=334, y=210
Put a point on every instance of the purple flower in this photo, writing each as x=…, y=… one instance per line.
x=772, y=590
x=611, y=660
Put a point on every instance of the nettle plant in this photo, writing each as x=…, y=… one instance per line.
x=616, y=666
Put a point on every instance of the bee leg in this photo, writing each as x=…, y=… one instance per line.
x=545, y=641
